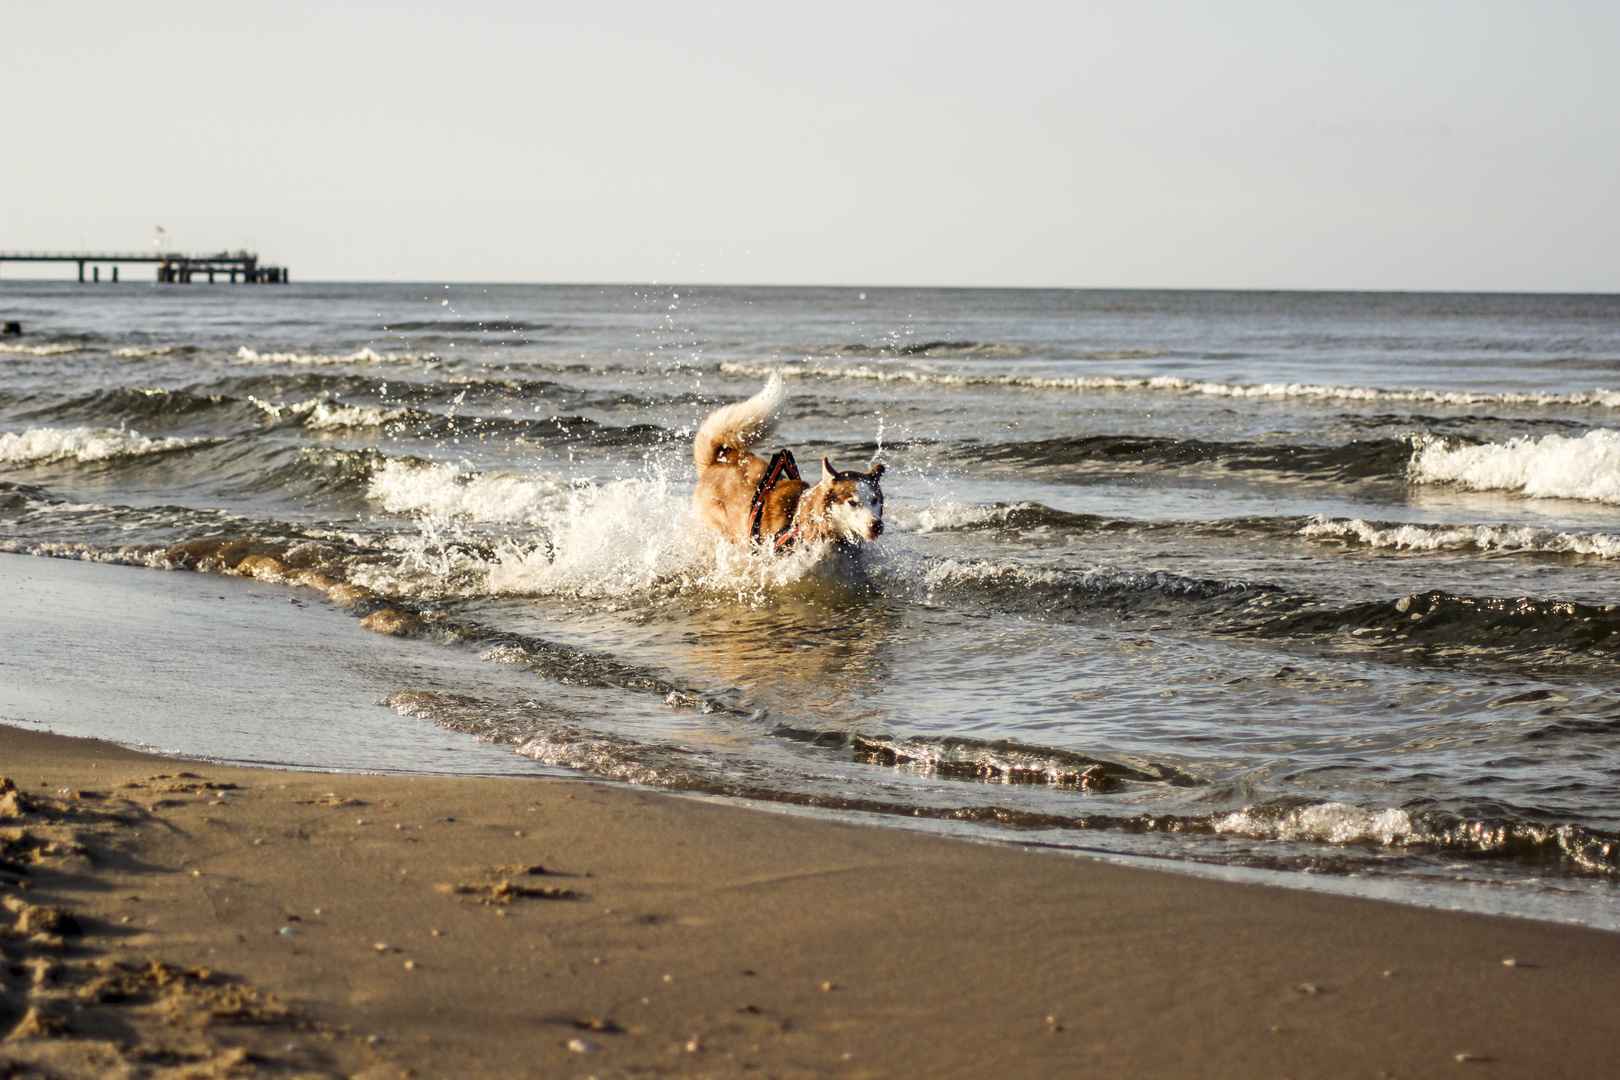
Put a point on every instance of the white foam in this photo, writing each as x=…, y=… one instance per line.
x=149, y=556
x=360, y=356
x=329, y=416
x=450, y=492
x=81, y=444
x=133, y=352
x=939, y=516
x=637, y=539
x=40, y=350
x=627, y=541
x=948, y=572
x=1608, y=399
x=1332, y=823
x=323, y=414
x=944, y=515
x=1551, y=467
x=614, y=540
x=1456, y=537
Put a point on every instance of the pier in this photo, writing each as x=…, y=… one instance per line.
x=172, y=268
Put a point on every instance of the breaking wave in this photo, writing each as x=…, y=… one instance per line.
x=38, y=445
x=999, y=761
x=1551, y=467
x=970, y=517
x=1580, y=848
x=136, y=352
x=360, y=356
x=1608, y=399
x=324, y=414
x=40, y=350
x=1410, y=537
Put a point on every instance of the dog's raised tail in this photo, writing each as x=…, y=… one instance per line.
x=740, y=426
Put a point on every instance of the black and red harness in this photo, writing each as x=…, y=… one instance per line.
x=781, y=465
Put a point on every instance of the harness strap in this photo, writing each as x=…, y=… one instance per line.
x=781, y=465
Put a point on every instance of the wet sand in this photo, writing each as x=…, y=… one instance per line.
x=166, y=918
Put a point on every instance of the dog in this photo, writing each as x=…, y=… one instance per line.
x=742, y=497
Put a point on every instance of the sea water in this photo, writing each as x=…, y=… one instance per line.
x=1318, y=584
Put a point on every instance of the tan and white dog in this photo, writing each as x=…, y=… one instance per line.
x=741, y=497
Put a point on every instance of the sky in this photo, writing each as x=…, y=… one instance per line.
x=1417, y=145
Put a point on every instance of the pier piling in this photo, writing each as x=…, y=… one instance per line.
x=172, y=268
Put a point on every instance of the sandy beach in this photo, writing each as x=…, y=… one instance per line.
x=172, y=919
x=899, y=541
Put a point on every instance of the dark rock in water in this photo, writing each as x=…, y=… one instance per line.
x=11, y=327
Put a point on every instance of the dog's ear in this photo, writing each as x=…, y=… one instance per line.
x=827, y=470
x=874, y=472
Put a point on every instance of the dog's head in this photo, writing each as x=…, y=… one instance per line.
x=853, y=503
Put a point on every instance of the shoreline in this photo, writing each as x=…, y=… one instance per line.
x=168, y=670
x=792, y=946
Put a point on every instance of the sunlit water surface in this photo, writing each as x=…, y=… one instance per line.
x=1310, y=584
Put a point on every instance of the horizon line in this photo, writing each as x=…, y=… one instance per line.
x=444, y=283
